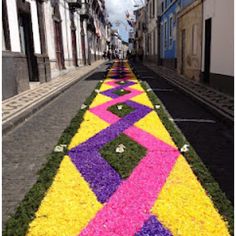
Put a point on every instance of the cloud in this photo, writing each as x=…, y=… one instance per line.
x=116, y=10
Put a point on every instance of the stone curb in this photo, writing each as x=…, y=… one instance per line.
x=225, y=116
x=30, y=110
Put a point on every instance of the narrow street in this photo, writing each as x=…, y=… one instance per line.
x=120, y=164
x=211, y=137
x=118, y=118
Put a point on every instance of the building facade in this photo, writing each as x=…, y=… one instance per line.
x=168, y=24
x=217, y=67
x=62, y=38
x=140, y=30
x=43, y=39
x=189, y=38
x=151, y=31
x=24, y=56
x=194, y=37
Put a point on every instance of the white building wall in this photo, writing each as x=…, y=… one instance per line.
x=49, y=30
x=35, y=26
x=13, y=25
x=64, y=30
x=68, y=29
x=222, y=41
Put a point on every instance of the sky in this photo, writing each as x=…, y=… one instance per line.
x=116, y=10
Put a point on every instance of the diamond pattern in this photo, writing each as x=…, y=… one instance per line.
x=121, y=92
x=120, y=109
x=123, y=162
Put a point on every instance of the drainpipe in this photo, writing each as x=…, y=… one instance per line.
x=201, y=64
x=158, y=40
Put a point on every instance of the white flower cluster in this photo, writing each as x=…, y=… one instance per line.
x=60, y=148
x=120, y=148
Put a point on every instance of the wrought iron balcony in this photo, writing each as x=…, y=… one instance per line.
x=75, y=3
x=85, y=10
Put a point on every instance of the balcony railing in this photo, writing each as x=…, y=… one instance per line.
x=74, y=3
x=85, y=10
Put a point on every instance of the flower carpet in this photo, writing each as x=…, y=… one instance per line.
x=123, y=175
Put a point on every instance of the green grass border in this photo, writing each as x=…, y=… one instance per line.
x=17, y=224
x=210, y=185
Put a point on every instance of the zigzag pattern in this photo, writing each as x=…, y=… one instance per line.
x=161, y=196
x=103, y=179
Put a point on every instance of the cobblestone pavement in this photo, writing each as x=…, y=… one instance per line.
x=18, y=107
x=218, y=101
x=25, y=148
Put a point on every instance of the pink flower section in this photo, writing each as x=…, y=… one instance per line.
x=150, y=142
x=102, y=112
x=129, y=207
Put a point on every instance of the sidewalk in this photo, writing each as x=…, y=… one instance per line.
x=25, y=149
x=219, y=102
x=19, y=107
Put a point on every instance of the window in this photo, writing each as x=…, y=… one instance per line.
x=6, y=45
x=22, y=34
x=149, y=10
x=170, y=31
x=162, y=7
x=153, y=8
x=165, y=35
x=150, y=44
x=166, y=4
x=161, y=41
x=194, y=40
x=154, y=42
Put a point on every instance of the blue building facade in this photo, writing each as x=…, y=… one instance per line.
x=184, y=3
x=168, y=19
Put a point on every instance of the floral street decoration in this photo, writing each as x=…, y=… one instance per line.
x=123, y=175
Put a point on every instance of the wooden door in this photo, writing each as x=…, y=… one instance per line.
x=59, y=45
x=207, y=52
x=74, y=47
x=27, y=44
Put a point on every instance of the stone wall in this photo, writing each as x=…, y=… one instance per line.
x=15, y=77
x=44, y=71
x=222, y=83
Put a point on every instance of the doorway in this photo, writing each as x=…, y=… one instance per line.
x=59, y=45
x=27, y=44
x=74, y=47
x=73, y=38
x=58, y=37
x=82, y=41
x=183, y=41
x=207, y=52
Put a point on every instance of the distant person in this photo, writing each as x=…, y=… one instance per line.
x=104, y=55
x=109, y=55
x=140, y=54
x=128, y=55
x=133, y=55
